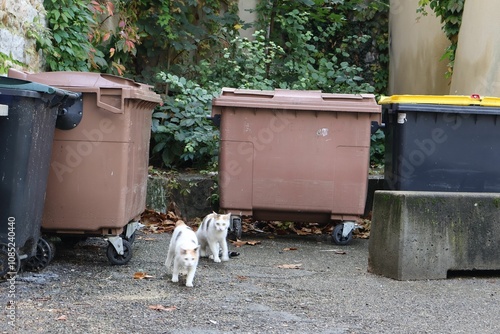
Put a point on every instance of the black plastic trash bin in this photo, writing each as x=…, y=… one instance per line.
x=442, y=143
x=29, y=114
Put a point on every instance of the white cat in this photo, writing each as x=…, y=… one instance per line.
x=183, y=251
x=212, y=235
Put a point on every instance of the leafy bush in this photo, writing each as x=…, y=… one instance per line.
x=246, y=64
x=66, y=46
x=377, y=149
x=183, y=135
x=261, y=64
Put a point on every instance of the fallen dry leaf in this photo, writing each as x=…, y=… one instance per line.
x=62, y=317
x=290, y=266
x=290, y=249
x=238, y=243
x=159, y=307
x=241, y=278
x=141, y=275
x=159, y=222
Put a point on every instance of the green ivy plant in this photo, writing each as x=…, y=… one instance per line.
x=377, y=149
x=330, y=41
x=450, y=13
x=67, y=46
x=248, y=61
x=183, y=135
x=307, y=65
x=175, y=34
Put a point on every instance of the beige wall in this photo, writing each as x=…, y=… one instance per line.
x=477, y=61
x=246, y=16
x=416, y=46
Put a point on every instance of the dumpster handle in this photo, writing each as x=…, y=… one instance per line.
x=108, y=106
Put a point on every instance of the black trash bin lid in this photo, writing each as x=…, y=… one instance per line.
x=18, y=87
x=17, y=84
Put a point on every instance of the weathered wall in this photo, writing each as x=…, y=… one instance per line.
x=477, y=69
x=416, y=46
x=246, y=16
x=17, y=18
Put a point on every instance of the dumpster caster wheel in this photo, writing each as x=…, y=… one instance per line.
x=130, y=239
x=131, y=229
x=337, y=236
x=9, y=263
x=235, y=228
x=42, y=257
x=52, y=248
x=115, y=258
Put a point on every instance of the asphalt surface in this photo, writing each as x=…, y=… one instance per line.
x=279, y=285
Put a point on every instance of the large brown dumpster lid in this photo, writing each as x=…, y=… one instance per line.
x=297, y=100
x=106, y=86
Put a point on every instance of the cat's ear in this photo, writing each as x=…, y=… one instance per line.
x=196, y=249
x=183, y=251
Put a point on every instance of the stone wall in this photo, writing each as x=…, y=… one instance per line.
x=17, y=19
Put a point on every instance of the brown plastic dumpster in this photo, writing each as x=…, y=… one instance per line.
x=299, y=156
x=98, y=176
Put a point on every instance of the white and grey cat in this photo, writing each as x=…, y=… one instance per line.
x=183, y=252
x=212, y=235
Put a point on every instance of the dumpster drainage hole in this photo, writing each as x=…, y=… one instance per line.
x=473, y=273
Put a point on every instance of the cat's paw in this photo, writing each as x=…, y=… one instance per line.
x=189, y=285
x=175, y=279
x=217, y=260
x=224, y=258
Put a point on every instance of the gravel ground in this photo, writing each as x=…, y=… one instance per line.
x=330, y=292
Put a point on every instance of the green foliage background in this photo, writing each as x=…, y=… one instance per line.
x=190, y=49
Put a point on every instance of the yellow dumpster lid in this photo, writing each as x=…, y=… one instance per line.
x=458, y=100
x=297, y=100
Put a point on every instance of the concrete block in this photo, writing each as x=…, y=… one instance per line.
x=423, y=235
